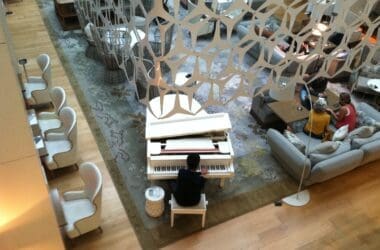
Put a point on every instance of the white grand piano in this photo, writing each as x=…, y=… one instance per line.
x=171, y=138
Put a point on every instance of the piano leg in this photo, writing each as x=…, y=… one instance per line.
x=221, y=184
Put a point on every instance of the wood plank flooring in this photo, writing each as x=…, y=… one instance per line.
x=30, y=38
x=344, y=213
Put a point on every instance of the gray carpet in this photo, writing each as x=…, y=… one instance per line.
x=118, y=123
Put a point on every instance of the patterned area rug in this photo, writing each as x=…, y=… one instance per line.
x=117, y=120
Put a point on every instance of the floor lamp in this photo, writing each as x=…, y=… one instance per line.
x=302, y=197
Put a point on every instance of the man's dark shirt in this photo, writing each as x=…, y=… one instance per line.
x=189, y=187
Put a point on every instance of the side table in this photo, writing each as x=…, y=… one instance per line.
x=33, y=122
x=154, y=203
x=40, y=146
x=66, y=14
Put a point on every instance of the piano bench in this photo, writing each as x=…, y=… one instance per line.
x=200, y=208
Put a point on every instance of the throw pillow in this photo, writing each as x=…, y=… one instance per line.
x=357, y=143
x=342, y=148
x=293, y=139
x=325, y=148
x=362, y=132
x=341, y=133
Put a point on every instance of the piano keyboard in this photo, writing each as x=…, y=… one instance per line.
x=160, y=172
x=175, y=169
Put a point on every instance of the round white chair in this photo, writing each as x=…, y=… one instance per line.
x=36, y=89
x=82, y=209
x=62, y=147
x=49, y=121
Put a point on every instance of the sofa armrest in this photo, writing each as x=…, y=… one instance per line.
x=291, y=159
x=371, y=151
x=369, y=110
x=335, y=166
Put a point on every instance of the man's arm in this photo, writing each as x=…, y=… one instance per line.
x=204, y=171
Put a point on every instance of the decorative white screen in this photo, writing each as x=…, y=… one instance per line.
x=222, y=47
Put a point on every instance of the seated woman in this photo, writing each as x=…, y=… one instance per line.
x=346, y=114
x=319, y=120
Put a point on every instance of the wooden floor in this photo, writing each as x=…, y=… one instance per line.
x=344, y=213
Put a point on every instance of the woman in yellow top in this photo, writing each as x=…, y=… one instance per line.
x=319, y=120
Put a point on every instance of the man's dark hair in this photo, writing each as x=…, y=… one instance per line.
x=193, y=161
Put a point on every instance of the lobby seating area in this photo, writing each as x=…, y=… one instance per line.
x=321, y=166
x=62, y=130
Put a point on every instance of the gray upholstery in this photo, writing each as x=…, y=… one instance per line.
x=369, y=110
x=261, y=111
x=282, y=149
x=316, y=158
x=370, y=71
x=359, y=142
x=348, y=156
x=335, y=166
x=273, y=55
x=371, y=151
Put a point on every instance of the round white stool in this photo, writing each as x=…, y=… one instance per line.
x=154, y=201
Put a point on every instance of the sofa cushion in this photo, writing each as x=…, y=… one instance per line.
x=341, y=133
x=335, y=166
x=342, y=148
x=327, y=147
x=356, y=143
x=293, y=139
x=362, y=132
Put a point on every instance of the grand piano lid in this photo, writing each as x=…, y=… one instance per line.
x=181, y=124
x=187, y=125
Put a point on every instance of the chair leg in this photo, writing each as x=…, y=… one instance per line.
x=172, y=219
x=203, y=219
x=50, y=174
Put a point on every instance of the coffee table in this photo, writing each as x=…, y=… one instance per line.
x=289, y=111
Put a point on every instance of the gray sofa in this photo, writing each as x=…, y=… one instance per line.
x=370, y=71
x=273, y=55
x=318, y=168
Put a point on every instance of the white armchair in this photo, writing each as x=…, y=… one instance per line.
x=82, y=208
x=49, y=121
x=36, y=89
x=62, y=147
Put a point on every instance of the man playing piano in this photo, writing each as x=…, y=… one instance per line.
x=190, y=182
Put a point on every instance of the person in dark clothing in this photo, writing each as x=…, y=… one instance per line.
x=317, y=87
x=189, y=182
